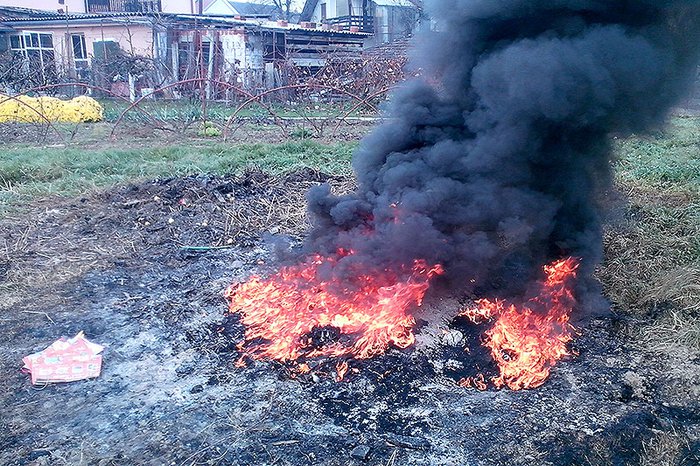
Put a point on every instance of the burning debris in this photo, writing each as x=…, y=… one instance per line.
x=483, y=176
x=298, y=313
x=527, y=341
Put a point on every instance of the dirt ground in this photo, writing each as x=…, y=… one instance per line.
x=124, y=266
x=139, y=133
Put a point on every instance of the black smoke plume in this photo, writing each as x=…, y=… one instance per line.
x=493, y=163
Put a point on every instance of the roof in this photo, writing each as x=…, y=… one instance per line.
x=82, y=18
x=13, y=12
x=257, y=9
x=269, y=25
x=308, y=11
x=396, y=49
x=401, y=3
x=172, y=19
x=51, y=16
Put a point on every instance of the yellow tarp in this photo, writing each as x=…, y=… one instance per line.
x=23, y=109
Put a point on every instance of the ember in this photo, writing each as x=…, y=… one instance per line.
x=527, y=340
x=296, y=314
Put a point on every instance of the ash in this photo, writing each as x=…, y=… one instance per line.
x=113, y=265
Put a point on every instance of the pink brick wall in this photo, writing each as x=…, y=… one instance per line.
x=134, y=39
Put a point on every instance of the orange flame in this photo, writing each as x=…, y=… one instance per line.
x=341, y=369
x=367, y=316
x=527, y=341
x=478, y=382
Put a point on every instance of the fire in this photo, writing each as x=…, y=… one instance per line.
x=341, y=369
x=478, y=382
x=527, y=340
x=299, y=313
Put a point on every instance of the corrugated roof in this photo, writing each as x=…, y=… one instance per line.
x=403, y=3
x=50, y=16
x=212, y=20
x=269, y=25
x=14, y=12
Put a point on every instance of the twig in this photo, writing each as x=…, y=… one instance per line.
x=21, y=405
x=392, y=458
x=40, y=312
x=284, y=442
x=204, y=248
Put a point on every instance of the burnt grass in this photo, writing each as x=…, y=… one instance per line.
x=142, y=269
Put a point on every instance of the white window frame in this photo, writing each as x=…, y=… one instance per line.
x=81, y=63
x=24, y=38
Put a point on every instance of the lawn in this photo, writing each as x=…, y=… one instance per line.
x=182, y=110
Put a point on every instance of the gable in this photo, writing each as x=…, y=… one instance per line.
x=220, y=7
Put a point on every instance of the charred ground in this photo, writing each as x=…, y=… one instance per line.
x=142, y=267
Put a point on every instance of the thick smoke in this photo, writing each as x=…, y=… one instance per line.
x=493, y=166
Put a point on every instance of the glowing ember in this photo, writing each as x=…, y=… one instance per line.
x=341, y=369
x=526, y=341
x=478, y=382
x=297, y=313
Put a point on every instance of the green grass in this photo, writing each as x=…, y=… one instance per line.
x=183, y=110
x=666, y=159
x=28, y=172
x=652, y=257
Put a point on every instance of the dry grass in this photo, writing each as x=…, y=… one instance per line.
x=665, y=449
x=652, y=273
x=674, y=329
x=680, y=286
x=651, y=255
x=283, y=211
x=40, y=256
x=53, y=240
x=680, y=290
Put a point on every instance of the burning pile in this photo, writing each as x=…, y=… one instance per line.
x=490, y=168
x=296, y=315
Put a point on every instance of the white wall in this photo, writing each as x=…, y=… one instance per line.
x=235, y=57
x=331, y=10
x=73, y=6
x=335, y=8
x=179, y=6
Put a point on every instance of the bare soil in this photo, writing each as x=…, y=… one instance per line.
x=142, y=269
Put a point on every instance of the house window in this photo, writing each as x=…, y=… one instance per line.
x=323, y=11
x=80, y=56
x=35, y=50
